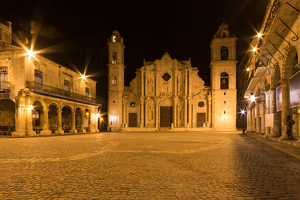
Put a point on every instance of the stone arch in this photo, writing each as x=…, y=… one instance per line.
x=54, y=111
x=39, y=112
x=87, y=119
x=78, y=119
x=224, y=53
x=66, y=116
x=7, y=115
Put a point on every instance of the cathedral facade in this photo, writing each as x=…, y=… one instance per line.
x=168, y=94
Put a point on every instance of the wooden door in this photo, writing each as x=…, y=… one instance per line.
x=132, y=119
x=165, y=116
x=200, y=119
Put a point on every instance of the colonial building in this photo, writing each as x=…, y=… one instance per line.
x=271, y=74
x=169, y=94
x=40, y=96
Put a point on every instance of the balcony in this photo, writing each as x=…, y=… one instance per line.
x=59, y=93
x=5, y=88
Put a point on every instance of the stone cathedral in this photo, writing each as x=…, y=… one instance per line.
x=168, y=94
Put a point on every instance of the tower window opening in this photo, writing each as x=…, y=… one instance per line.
x=224, y=93
x=224, y=80
x=114, y=38
x=224, y=53
x=114, y=81
x=114, y=58
x=224, y=102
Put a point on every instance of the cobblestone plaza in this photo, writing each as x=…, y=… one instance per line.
x=149, y=165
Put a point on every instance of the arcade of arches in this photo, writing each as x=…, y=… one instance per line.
x=47, y=115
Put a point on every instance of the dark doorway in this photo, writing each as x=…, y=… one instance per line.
x=132, y=119
x=200, y=119
x=165, y=116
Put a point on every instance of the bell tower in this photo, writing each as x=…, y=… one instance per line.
x=223, y=79
x=115, y=81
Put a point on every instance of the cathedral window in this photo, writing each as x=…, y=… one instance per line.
x=201, y=104
x=224, y=53
x=114, y=38
x=114, y=81
x=224, y=80
x=132, y=104
x=114, y=58
x=166, y=76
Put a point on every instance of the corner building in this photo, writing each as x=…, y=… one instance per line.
x=168, y=94
x=39, y=96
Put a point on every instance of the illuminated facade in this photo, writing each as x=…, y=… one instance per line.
x=38, y=95
x=169, y=94
x=273, y=78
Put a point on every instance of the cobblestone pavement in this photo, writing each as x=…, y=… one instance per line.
x=157, y=165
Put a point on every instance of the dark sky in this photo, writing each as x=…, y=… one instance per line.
x=77, y=33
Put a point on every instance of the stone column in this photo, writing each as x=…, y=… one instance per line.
x=190, y=115
x=142, y=113
x=73, y=128
x=257, y=118
x=249, y=119
x=185, y=112
x=262, y=116
x=59, y=125
x=156, y=113
x=285, y=107
x=45, y=127
x=176, y=83
x=267, y=111
x=142, y=82
x=124, y=118
x=146, y=113
x=174, y=112
x=274, y=131
x=209, y=111
x=253, y=118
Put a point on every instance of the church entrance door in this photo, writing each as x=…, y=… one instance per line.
x=200, y=119
x=165, y=116
x=132, y=119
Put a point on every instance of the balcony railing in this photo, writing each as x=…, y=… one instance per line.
x=57, y=91
x=4, y=85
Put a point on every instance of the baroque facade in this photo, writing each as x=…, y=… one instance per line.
x=169, y=94
x=39, y=96
x=271, y=75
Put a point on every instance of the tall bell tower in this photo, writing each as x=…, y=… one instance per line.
x=223, y=79
x=115, y=81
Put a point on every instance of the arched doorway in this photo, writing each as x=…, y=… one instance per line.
x=79, y=124
x=37, y=117
x=87, y=120
x=66, y=119
x=7, y=116
x=53, y=118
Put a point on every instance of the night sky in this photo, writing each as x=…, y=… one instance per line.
x=77, y=33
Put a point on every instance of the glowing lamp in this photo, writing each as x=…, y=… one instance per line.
x=83, y=77
x=254, y=49
x=97, y=115
x=243, y=112
x=101, y=118
x=87, y=113
x=259, y=35
x=30, y=107
x=248, y=69
x=252, y=98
